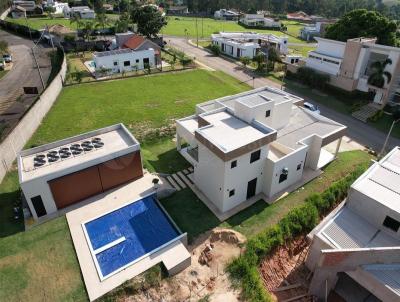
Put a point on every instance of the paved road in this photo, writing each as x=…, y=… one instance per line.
x=357, y=130
x=23, y=72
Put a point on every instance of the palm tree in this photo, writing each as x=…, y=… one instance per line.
x=379, y=77
x=75, y=18
x=102, y=21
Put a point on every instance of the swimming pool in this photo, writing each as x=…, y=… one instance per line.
x=124, y=236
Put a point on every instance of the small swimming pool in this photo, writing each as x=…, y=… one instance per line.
x=124, y=236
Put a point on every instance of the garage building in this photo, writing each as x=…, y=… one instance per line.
x=63, y=173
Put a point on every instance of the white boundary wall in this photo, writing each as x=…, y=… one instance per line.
x=20, y=135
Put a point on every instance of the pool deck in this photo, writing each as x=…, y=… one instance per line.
x=175, y=256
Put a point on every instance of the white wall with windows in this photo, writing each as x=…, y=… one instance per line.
x=323, y=63
x=125, y=61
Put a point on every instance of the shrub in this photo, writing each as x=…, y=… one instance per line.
x=215, y=49
x=377, y=116
x=312, y=78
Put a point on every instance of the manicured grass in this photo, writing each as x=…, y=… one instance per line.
x=193, y=216
x=207, y=26
x=3, y=73
x=143, y=104
x=302, y=50
x=40, y=23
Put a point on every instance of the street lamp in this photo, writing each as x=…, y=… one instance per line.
x=396, y=119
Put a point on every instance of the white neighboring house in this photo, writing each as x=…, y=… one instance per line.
x=254, y=145
x=84, y=12
x=58, y=6
x=248, y=44
x=259, y=20
x=123, y=60
x=349, y=65
x=355, y=251
x=226, y=14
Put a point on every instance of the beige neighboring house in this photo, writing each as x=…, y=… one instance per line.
x=349, y=65
x=355, y=251
x=254, y=145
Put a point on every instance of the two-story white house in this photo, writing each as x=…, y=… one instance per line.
x=248, y=44
x=253, y=145
x=349, y=65
x=355, y=251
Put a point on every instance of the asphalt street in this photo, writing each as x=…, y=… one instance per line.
x=358, y=131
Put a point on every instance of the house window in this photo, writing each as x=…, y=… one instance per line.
x=255, y=156
x=298, y=167
x=137, y=60
x=268, y=113
x=391, y=223
x=146, y=61
x=38, y=205
x=231, y=193
x=115, y=63
x=234, y=164
x=127, y=63
x=284, y=175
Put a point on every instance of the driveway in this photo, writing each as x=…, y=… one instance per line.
x=357, y=130
x=24, y=73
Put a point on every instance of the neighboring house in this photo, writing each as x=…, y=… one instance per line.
x=177, y=10
x=317, y=30
x=57, y=33
x=84, y=12
x=355, y=251
x=109, y=8
x=226, y=14
x=349, y=65
x=254, y=145
x=30, y=7
x=299, y=16
x=259, y=20
x=58, y=6
x=63, y=173
x=137, y=43
x=293, y=59
x=248, y=44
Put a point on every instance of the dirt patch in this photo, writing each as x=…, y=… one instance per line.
x=201, y=279
x=145, y=130
x=284, y=272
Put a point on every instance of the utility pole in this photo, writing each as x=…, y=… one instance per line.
x=37, y=65
x=197, y=32
x=27, y=25
x=387, y=138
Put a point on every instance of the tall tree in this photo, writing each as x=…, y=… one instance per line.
x=149, y=20
x=363, y=23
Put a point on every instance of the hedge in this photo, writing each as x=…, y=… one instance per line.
x=300, y=220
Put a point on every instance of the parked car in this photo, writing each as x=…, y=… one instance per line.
x=7, y=58
x=312, y=107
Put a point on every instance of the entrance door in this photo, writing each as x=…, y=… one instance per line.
x=251, y=188
x=238, y=52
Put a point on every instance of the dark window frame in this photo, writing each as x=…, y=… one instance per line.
x=283, y=177
x=255, y=156
x=233, y=164
x=298, y=167
x=391, y=224
x=231, y=192
x=268, y=113
x=127, y=63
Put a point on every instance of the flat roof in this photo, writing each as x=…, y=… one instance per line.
x=114, y=139
x=303, y=124
x=348, y=230
x=228, y=132
x=387, y=274
x=381, y=181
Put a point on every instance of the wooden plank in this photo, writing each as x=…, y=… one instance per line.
x=283, y=288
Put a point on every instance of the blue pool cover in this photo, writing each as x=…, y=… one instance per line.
x=144, y=226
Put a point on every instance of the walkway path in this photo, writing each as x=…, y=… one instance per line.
x=357, y=130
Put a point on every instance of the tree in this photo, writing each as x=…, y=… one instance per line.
x=245, y=61
x=260, y=60
x=363, y=23
x=75, y=18
x=379, y=77
x=273, y=57
x=102, y=21
x=215, y=49
x=149, y=20
x=87, y=28
x=122, y=23
x=50, y=10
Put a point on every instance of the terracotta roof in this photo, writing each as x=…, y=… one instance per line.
x=134, y=42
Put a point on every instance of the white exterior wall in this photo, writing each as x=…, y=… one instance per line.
x=87, y=14
x=280, y=116
x=314, y=144
x=318, y=63
x=330, y=48
x=108, y=61
x=238, y=177
x=371, y=210
x=209, y=175
x=274, y=169
x=246, y=49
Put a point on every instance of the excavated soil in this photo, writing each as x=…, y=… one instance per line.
x=284, y=272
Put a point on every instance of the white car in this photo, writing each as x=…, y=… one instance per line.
x=7, y=58
x=312, y=107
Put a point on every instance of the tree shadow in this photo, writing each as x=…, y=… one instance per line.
x=247, y=213
x=10, y=222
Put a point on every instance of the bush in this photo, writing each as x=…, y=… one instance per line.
x=377, y=116
x=215, y=49
x=312, y=78
x=300, y=220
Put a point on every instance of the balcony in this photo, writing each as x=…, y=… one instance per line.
x=190, y=154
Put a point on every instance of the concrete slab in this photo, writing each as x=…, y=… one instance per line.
x=175, y=256
x=179, y=181
x=347, y=145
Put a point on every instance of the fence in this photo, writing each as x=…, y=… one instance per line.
x=20, y=135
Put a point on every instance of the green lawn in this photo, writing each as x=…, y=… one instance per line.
x=193, y=216
x=143, y=104
x=3, y=73
x=302, y=50
x=39, y=23
x=207, y=26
